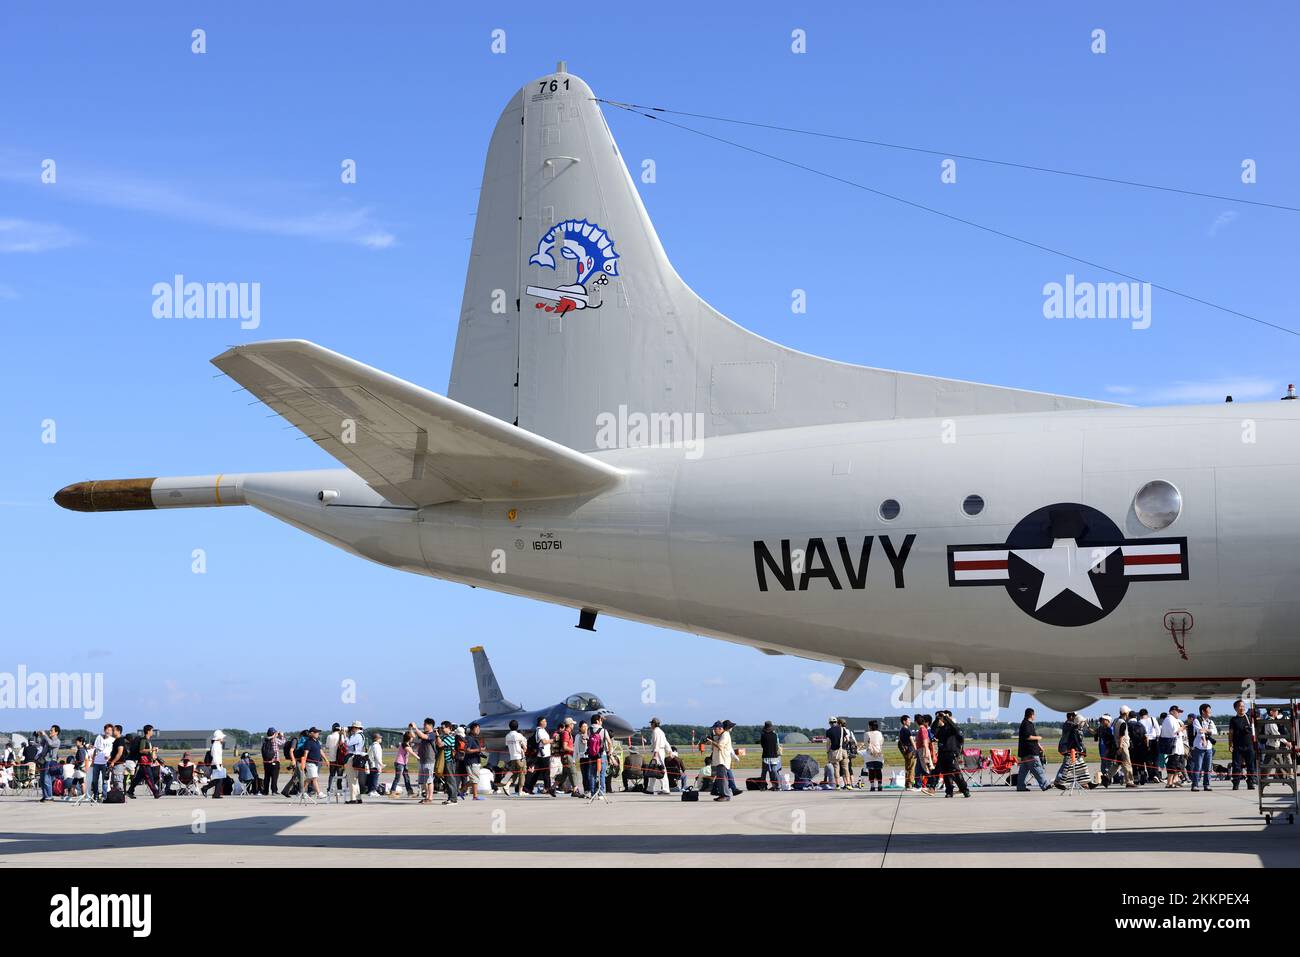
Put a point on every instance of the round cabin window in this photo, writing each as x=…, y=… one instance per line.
x=1157, y=504
x=889, y=509
x=973, y=505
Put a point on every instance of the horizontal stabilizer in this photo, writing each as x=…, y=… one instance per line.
x=412, y=446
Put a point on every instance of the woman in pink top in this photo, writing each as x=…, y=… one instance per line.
x=399, y=766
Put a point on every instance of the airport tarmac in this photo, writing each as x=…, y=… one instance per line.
x=1148, y=827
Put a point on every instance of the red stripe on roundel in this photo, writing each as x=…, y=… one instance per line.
x=992, y=564
x=1169, y=558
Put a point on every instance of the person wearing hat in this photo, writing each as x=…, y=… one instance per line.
x=562, y=746
x=1123, y=760
x=656, y=779
x=1169, y=725
x=1203, y=736
x=721, y=754
x=271, y=745
x=1105, y=737
x=837, y=754
x=330, y=751
x=307, y=757
x=357, y=763
x=216, y=769
x=1176, y=759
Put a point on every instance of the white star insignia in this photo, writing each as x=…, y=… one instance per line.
x=1066, y=567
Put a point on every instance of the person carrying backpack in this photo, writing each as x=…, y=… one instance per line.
x=598, y=747
x=950, y=744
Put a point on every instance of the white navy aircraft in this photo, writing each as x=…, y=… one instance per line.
x=610, y=442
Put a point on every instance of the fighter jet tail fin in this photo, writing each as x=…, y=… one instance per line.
x=572, y=310
x=490, y=699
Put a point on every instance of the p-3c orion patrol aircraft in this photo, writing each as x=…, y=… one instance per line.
x=873, y=519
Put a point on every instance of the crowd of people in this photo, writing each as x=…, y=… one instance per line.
x=1137, y=748
x=580, y=759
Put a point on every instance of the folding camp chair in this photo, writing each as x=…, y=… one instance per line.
x=974, y=766
x=186, y=785
x=1003, y=768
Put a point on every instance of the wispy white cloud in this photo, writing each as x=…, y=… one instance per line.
x=26, y=236
x=1193, y=391
x=8, y=293
x=1222, y=221
x=340, y=221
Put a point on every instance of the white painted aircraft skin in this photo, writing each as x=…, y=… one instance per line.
x=501, y=485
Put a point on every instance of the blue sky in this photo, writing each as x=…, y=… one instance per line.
x=225, y=166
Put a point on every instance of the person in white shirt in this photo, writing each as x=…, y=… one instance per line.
x=329, y=752
x=356, y=766
x=541, y=769
x=516, y=743
x=217, y=770
x=658, y=754
x=1173, y=747
x=103, y=747
x=720, y=757
x=374, y=762
x=875, y=760
x=1203, y=735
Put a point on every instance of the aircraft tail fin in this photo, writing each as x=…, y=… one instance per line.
x=490, y=699
x=572, y=310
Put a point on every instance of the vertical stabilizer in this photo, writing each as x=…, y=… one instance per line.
x=490, y=699
x=572, y=311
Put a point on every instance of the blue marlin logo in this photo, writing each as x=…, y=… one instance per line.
x=583, y=242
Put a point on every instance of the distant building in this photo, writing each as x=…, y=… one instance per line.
x=185, y=740
x=859, y=725
x=795, y=737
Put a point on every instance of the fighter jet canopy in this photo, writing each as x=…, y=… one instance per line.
x=584, y=701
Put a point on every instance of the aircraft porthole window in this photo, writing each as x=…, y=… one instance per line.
x=972, y=505
x=889, y=509
x=1157, y=504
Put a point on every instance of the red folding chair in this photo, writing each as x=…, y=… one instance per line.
x=974, y=765
x=1003, y=768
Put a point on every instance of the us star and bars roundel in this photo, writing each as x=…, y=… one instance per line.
x=1068, y=564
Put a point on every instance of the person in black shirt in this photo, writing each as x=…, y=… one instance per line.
x=771, y=766
x=1030, y=754
x=145, y=756
x=907, y=748
x=117, y=759
x=1241, y=739
x=1105, y=735
x=950, y=742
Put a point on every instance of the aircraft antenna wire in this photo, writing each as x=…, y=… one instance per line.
x=956, y=219
x=1113, y=180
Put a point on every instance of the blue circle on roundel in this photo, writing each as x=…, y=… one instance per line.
x=1065, y=565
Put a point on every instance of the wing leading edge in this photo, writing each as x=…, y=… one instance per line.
x=412, y=446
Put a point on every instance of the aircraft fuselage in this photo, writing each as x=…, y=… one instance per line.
x=778, y=540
